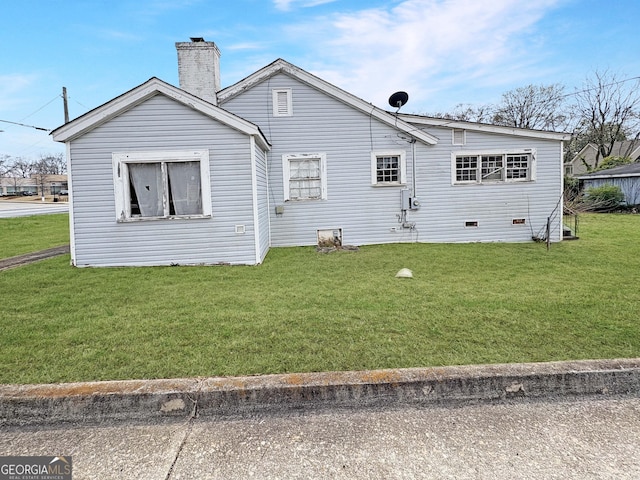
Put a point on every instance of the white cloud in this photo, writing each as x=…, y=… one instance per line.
x=426, y=46
x=286, y=5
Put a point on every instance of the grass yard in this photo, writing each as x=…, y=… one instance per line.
x=303, y=311
x=29, y=234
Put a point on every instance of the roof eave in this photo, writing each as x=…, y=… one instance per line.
x=143, y=92
x=484, y=127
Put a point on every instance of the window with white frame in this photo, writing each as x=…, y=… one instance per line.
x=493, y=167
x=304, y=176
x=388, y=168
x=282, y=102
x=164, y=184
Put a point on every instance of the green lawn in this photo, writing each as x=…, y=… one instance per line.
x=29, y=234
x=304, y=311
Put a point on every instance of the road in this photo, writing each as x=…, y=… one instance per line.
x=10, y=209
x=588, y=438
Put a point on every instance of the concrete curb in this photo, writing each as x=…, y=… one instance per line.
x=146, y=400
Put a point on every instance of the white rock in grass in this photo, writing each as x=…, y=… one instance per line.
x=404, y=273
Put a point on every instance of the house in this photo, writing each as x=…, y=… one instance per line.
x=33, y=185
x=627, y=177
x=202, y=175
x=585, y=160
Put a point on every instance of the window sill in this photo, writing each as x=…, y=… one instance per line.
x=510, y=182
x=155, y=219
x=387, y=185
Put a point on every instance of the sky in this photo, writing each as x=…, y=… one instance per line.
x=442, y=52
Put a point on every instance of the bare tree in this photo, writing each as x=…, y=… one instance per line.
x=468, y=113
x=51, y=165
x=21, y=167
x=607, y=111
x=537, y=107
x=5, y=165
x=534, y=107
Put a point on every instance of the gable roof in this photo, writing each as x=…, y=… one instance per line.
x=626, y=148
x=629, y=170
x=484, y=127
x=282, y=66
x=141, y=93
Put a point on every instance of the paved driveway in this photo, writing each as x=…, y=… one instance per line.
x=24, y=209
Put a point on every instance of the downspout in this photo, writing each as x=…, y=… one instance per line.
x=413, y=167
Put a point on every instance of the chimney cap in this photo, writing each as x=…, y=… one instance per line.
x=197, y=39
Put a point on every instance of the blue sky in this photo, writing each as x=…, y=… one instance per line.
x=443, y=52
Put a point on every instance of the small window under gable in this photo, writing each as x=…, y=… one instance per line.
x=282, y=103
x=459, y=136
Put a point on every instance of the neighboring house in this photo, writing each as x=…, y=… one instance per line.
x=585, y=159
x=52, y=185
x=627, y=177
x=201, y=175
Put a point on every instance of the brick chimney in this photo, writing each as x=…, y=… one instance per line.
x=199, y=68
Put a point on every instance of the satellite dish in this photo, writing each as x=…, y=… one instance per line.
x=398, y=99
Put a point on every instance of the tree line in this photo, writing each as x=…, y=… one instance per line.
x=604, y=111
x=19, y=167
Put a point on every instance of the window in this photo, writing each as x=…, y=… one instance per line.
x=388, y=168
x=466, y=169
x=282, y=103
x=304, y=176
x=157, y=185
x=493, y=167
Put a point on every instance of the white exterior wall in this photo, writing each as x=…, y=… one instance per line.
x=161, y=124
x=321, y=124
x=368, y=214
x=446, y=207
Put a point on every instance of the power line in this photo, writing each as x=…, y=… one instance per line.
x=596, y=87
x=29, y=126
x=44, y=106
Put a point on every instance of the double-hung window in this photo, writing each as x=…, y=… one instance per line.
x=304, y=176
x=388, y=168
x=493, y=167
x=158, y=185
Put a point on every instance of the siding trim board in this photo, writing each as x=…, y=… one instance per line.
x=72, y=227
x=254, y=204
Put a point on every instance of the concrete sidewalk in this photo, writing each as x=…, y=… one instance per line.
x=223, y=397
x=584, y=438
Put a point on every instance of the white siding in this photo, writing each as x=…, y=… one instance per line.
x=368, y=214
x=161, y=124
x=446, y=207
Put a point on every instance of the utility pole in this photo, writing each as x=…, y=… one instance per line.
x=66, y=104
